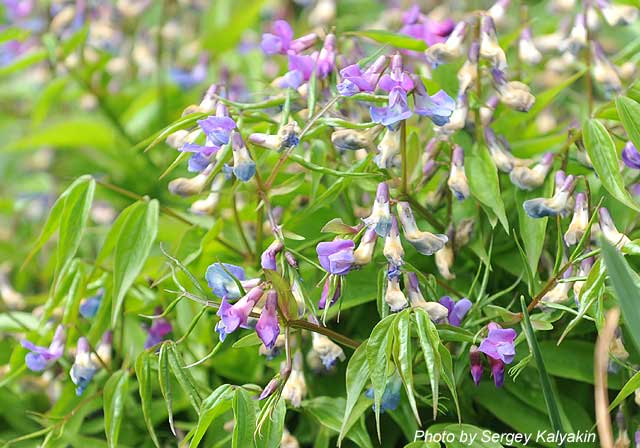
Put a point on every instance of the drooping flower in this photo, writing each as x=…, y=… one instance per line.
x=436, y=311
x=220, y=277
x=398, y=83
x=502, y=158
x=497, y=371
x=499, y=10
x=236, y=315
x=364, y=252
x=527, y=50
x=391, y=396
x=560, y=292
x=185, y=187
x=393, y=251
x=557, y=204
x=388, y=148
x=527, y=178
x=103, y=350
x=579, y=222
x=328, y=351
x=513, y=94
x=89, y=307
x=475, y=362
x=489, y=47
x=157, y=331
x=380, y=218
x=83, y=369
x=295, y=389
x=354, y=80
x=445, y=257
x=39, y=357
x=437, y=107
x=354, y=139
x=442, y=52
x=457, y=310
x=268, y=257
x=327, y=290
x=301, y=67
x=577, y=38
x=336, y=257
x=487, y=110
x=243, y=166
x=267, y=327
x=280, y=40
x=457, y=181
x=609, y=230
x=286, y=138
x=393, y=296
x=458, y=117
x=426, y=243
x=631, y=156
x=499, y=344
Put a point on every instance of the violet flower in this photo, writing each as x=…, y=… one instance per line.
x=421, y=27
x=631, y=156
x=354, y=80
x=380, y=218
x=280, y=40
x=475, y=362
x=398, y=84
x=187, y=79
x=83, y=369
x=236, y=315
x=300, y=70
x=437, y=107
x=89, y=307
x=326, y=291
x=457, y=310
x=336, y=257
x=497, y=371
x=498, y=345
x=220, y=279
x=268, y=257
x=267, y=327
x=217, y=129
x=157, y=331
x=244, y=168
x=39, y=358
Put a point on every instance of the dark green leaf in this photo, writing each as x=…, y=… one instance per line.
x=356, y=378
x=213, y=406
x=429, y=343
x=143, y=374
x=244, y=414
x=115, y=394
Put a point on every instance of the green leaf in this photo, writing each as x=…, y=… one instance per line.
x=213, y=406
x=603, y=155
x=392, y=39
x=625, y=286
x=272, y=430
x=183, y=376
x=429, y=342
x=484, y=183
x=629, y=112
x=24, y=61
x=356, y=378
x=532, y=231
x=164, y=378
x=404, y=358
x=244, y=414
x=378, y=354
x=629, y=388
x=545, y=382
x=115, y=394
x=73, y=221
x=143, y=374
x=448, y=376
x=250, y=340
x=131, y=251
x=329, y=410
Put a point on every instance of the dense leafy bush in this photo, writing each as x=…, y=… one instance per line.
x=319, y=223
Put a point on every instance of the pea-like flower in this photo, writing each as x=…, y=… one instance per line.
x=217, y=130
x=388, y=148
x=89, y=307
x=287, y=137
x=458, y=117
x=499, y=343
x=498, y=10
x=444, y=259
x=457, y=310
x=39, y=357
x=393, y=296
x=302, y=67
x=557, y=204
x=475, y=363
x=604, y=72
x=497, y=371
x=513, y=94
x=354, y=80
x=336, y=257
x=11, y=298
x=436, y=311
x=527, y=51
x=457, y=182
x=393, y=250
x=207, y=205
x=487, y=110
x=426, y=243
x=328, y=351
x=380, y=218
x=609, y=230
x=631, y=156
x=398, y=83
x=295, y=389
x=185, y=187
x=442, y=52
x=267, y=327
x=364, y=252
x=354, y=139
x=527, y=178
x=220, y=277
x=560, y=292
x=103, y=350
x=489, y=47
x=332, y=287
x=83, y=369
x=268, y=257
x=157, y=331
x=423, y=28
x=236, y=315
x=577, y=38
x=579, y=221
x=469, y=70
x=243, y=166
x=281, y=41
x=437, y=107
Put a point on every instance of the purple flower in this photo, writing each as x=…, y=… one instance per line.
x=187, y=79
x=326, y=61
x=631, y=156
x=268, y=258
x=280, y=40
x=236, y=315
x=497, y=371
x=18, y=9
x=267, y=326
x=380, y=218
x=498, y=345
x=89, y=307
x=220, y=279
x=157, y=331
x=420, y=27
x=396, y=110
x=457, y=310
x=217, y=129
x=398, y=79
x=336, y=257
x=244, y=168
x=40, y=357
x=83, y=368
x=475, y=362
x=300, y=70
x=354, y=80
x=438, y=107
x=326, y=290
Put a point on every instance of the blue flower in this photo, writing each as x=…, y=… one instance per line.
x=391, y=396
x=220, y=279
x=90, y=306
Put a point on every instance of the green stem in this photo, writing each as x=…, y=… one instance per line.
x=236, y=217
